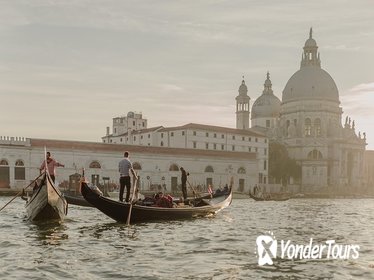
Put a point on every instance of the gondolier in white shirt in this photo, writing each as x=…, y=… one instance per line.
x=124, y=168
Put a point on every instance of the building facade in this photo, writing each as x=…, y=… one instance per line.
x=308, y=121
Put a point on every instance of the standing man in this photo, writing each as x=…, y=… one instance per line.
x=184, y=180
x=51, y=165
x=124, y=168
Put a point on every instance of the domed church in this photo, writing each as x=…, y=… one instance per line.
x=308, y=121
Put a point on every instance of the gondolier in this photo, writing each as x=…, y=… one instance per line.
x=184, y=180
x=124, y=168
x=51, y=165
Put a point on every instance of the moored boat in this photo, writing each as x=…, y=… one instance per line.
x=46, y=201
x=119, y=211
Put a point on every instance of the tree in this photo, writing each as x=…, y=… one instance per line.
x=281, y=166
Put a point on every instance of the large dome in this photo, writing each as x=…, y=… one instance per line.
x=267, y=105
x=310, y=82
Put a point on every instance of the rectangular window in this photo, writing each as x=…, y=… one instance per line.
x=215, y=135
x=182, y=133
x=207, y=134
x=265, y=164
x=207, y=146
x=222, y=136
x=249, y=139
x=120, y=139
x=233, y=137
x=249, y=149
x=243, y=138
x=141, y=137
x=162, y=135
x=171, y=134
x=149, y=136
x=194, y=133
x=19, y=173
x=194, y=145
x=133, y=123
x=233, y=147
x=222, y=147
x=215, y=146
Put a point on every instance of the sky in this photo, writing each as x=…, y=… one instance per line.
x=68, y=67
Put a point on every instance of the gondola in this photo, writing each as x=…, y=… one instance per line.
x=46, y=201
x=119, y=211
x=77, y=200
x=269, y=198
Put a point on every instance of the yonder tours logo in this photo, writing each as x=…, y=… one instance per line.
x=267, y=250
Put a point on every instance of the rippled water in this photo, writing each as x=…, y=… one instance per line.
x=88, y=245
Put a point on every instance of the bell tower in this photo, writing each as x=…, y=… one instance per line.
x=242, y=107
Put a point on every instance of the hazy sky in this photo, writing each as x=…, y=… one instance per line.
x=68, y=67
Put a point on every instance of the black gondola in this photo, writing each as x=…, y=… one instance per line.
x=77, y=200
x=119, y=211
x=46, y=201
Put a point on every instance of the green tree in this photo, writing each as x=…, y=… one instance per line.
x=281, y=166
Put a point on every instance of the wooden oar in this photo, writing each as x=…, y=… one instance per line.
x=135, y=183
x=21, y=191
x=193, y=189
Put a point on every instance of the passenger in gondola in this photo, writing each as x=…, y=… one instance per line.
x=51, y=165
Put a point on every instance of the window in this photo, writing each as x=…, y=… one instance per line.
x=95, y=164
x=233, y=147
x=19, y=170
x=120, y=139
x=222, y=136
x=256, y=149
x=243, y=138
x=194, y=145
x=256, y=139
x=215, y=146
x=315, y=154
x=149, y=136
x=134, y=138
x=265, y=164
x=143, y=124
x=215, y=135
x=182, y=133
x=307, y=127
x=233, y=137
x=194, y=133
x=222, y=147
x=136, y=166
x=162, y=135
x=317, y=127
x=207, y=134
x=241, y=170
x=141, y=137
x=171, y=134
x=162, y=143
x=209, y=169
x=207, y=146
x=133, y=123
x=174, y=167
x=249, y=149
x=249, y=139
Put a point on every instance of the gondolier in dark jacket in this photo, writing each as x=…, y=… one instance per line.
x=51, y=165
x=184, y=180
x=125, y=167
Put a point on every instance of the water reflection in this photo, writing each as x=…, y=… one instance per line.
x=49, y=232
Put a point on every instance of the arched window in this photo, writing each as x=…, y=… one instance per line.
x=95, y=164
x=162, y=144
x=19, y=170
x=315, y=154
x=136, y=166
x=317, y=127
x=174, y=167
x=4, y=173
x=4, y=162
x=241, y=170
x=209, y=169
x=308, y=127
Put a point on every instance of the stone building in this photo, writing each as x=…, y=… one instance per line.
x=308, y=121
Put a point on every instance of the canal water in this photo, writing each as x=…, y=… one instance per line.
x=89, y=245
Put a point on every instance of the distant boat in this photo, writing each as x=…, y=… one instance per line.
x=119, y=211
x=270, y=197
x=46, y=202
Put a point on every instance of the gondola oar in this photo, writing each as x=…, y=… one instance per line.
x=195, y=194
x=135, y=183
x=21, y=191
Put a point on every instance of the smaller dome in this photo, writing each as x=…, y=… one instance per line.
x=243, y=90
x=130, y=114
x=310, y=43
x=267, y=105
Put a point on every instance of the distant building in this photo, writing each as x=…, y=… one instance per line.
x=308, y=121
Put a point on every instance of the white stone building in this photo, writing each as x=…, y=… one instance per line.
x=308, y=121
x=158, y=167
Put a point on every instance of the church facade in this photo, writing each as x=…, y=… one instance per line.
x=308, y=121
